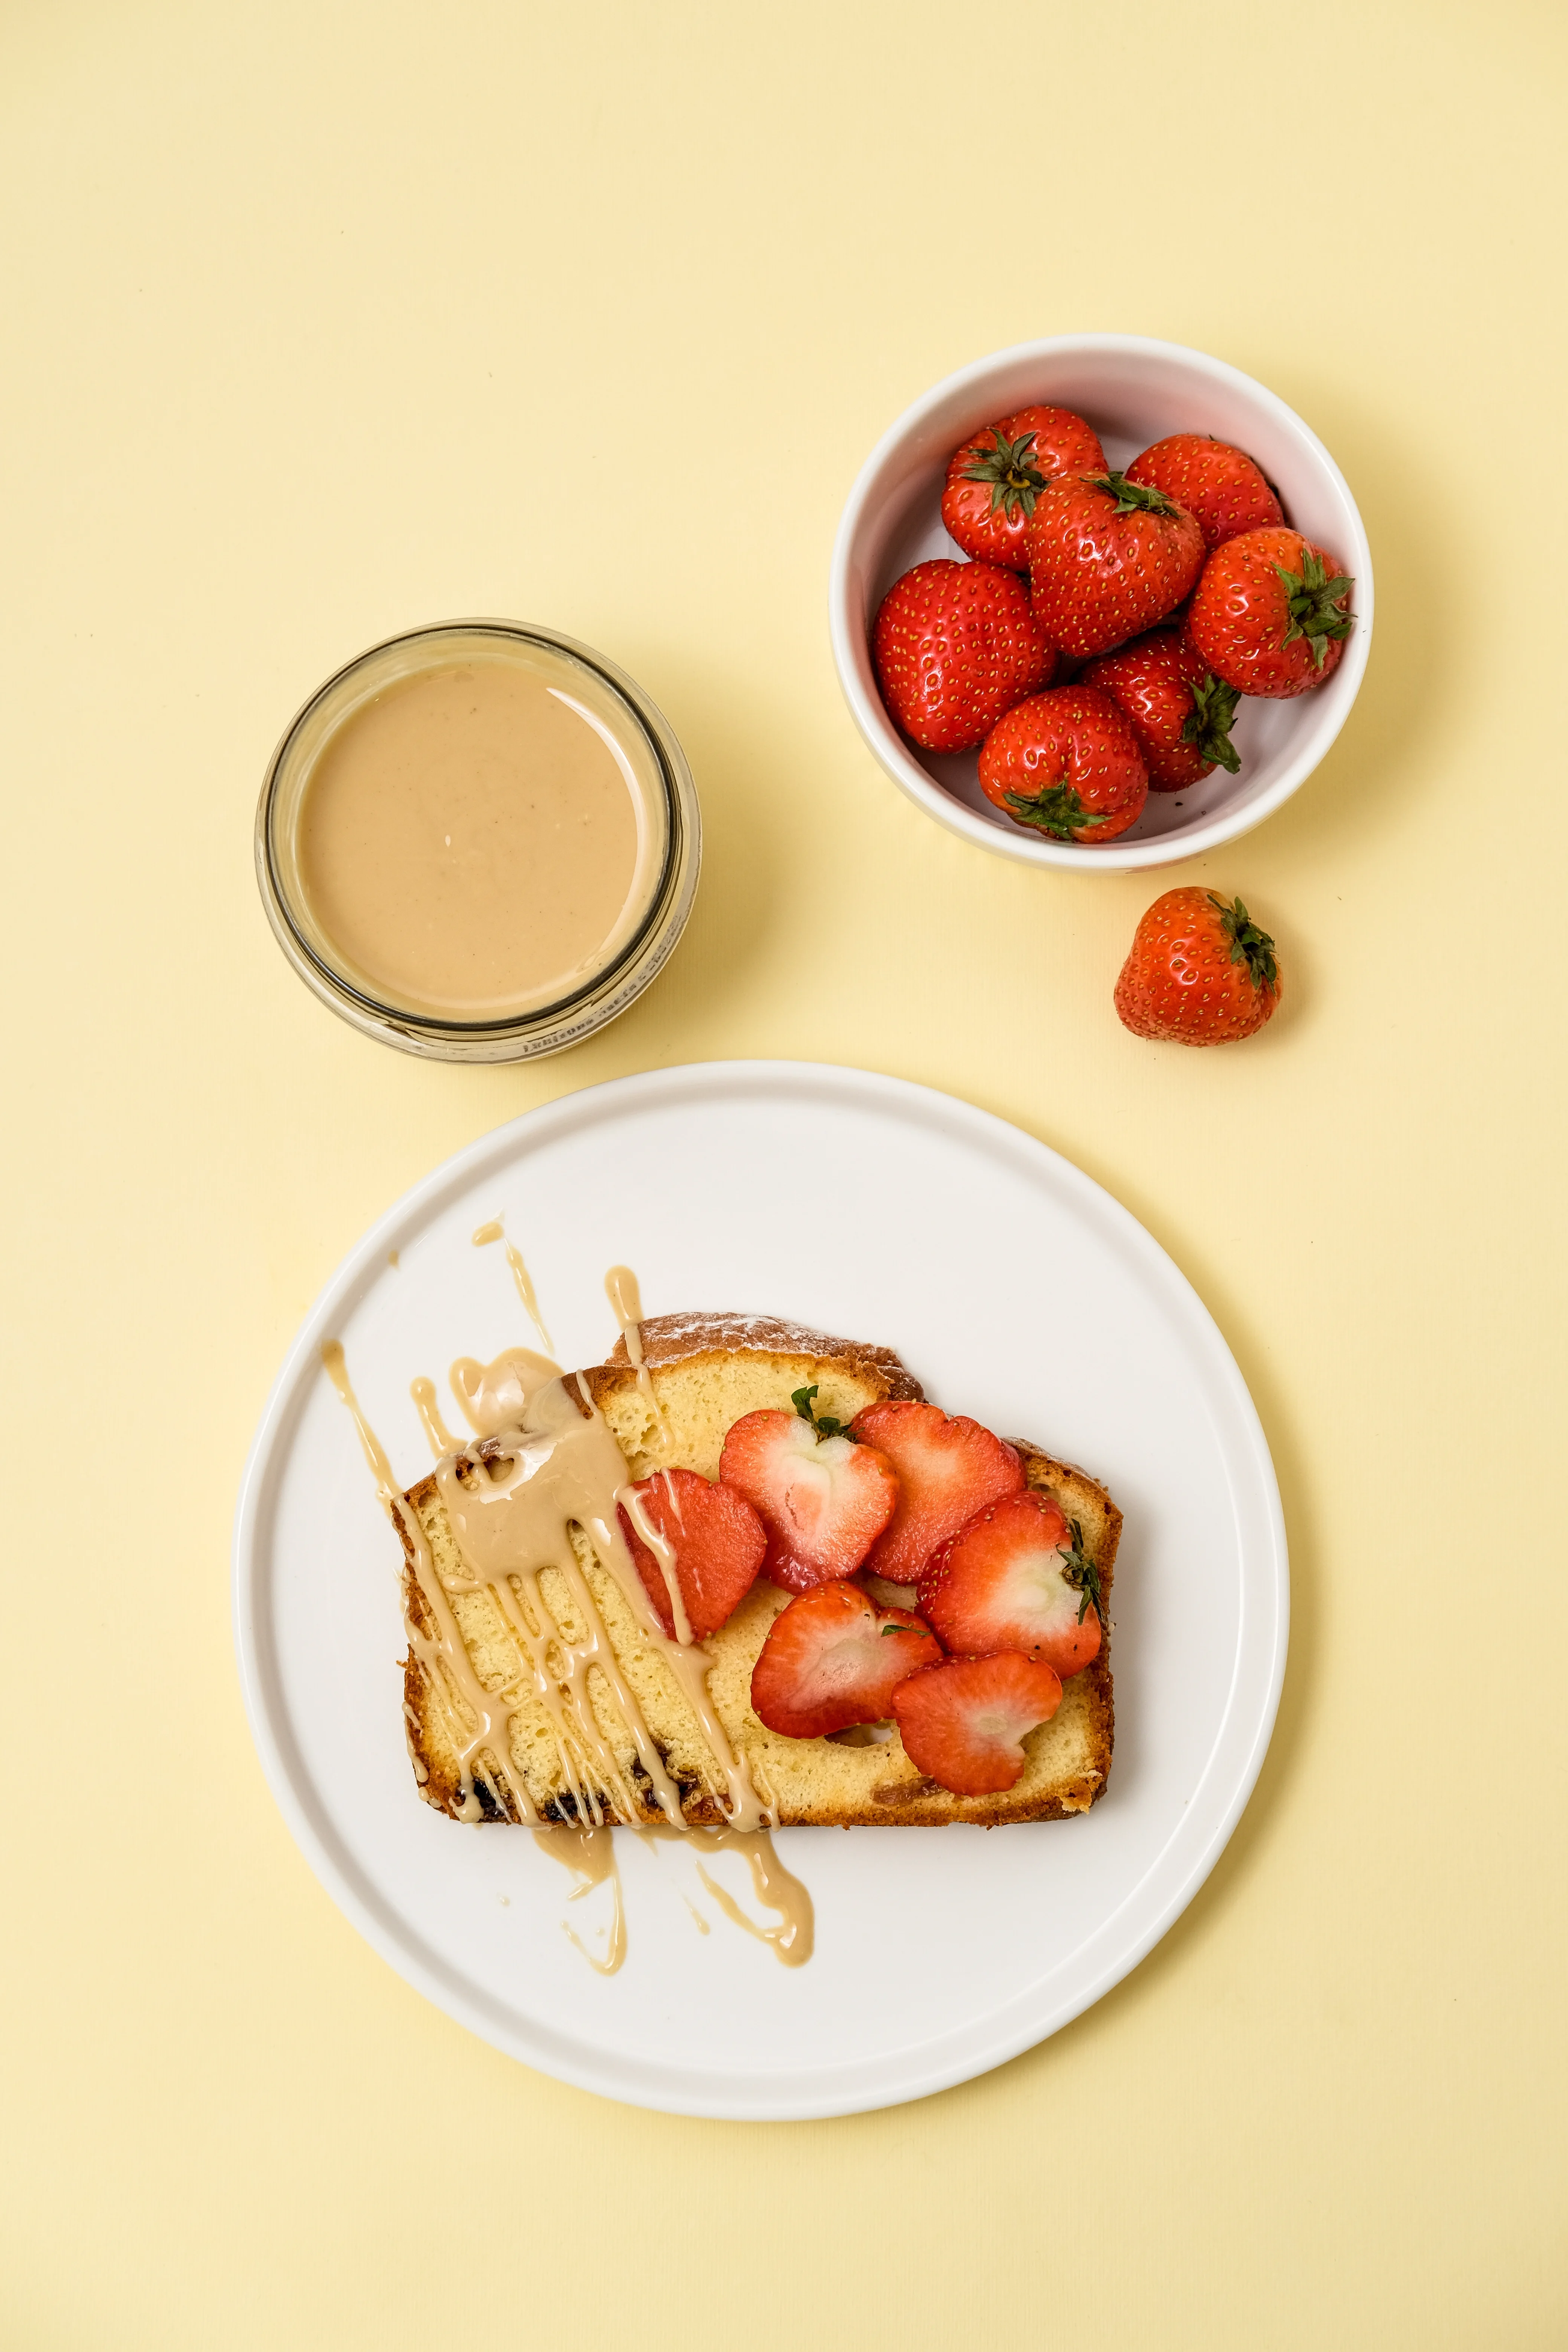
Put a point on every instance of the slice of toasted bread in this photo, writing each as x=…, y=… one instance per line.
x=706, y=1371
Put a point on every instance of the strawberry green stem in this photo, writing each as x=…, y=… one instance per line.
x=823, y=1423
x=1014, y=482
x=1314, y=600
x=1209, y=723
x=1133, y=497
x=1247, y=944
x=1080, y=1573
x=1057, y=810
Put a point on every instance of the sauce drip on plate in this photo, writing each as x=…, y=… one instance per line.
x=543, y=1461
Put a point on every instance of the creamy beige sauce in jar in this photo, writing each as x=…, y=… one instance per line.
x=478, y=838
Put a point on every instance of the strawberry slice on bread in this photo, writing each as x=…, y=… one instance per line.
x=823, y=1499
x=948, y=1467
x=963, y=1722
x=833, y=1659
x=1017, y=1578
x=718, y=1541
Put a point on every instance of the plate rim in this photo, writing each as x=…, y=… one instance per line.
x=664, y=2088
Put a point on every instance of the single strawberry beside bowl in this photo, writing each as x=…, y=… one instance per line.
x=1199, y=971
x=1108, y=558
x=956, y=644
x=993, y=480
x=1220, y=486
x=1180, y=712
x=1066, y=762
x=1270, y=614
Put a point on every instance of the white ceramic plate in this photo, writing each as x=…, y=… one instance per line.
x=1017, y=1291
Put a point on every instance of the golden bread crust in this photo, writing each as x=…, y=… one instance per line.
x=675, y=1339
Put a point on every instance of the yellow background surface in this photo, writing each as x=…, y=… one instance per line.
x=320, y=322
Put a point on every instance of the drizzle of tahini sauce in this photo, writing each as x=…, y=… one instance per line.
x=543, y=1461
x=590, y=1856
x=663, y=1551
x=625, y=1296
x=777, y=1890
x=495, y=1396
x=476, y=1723
x=439, y=1437
x=493, y=1230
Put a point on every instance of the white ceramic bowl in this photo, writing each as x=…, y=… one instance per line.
x=1132, y=391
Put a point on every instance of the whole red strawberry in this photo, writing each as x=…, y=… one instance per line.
x=993, y=480
x=1180, y=712
x=1107, y=559
x=1268, y=615
x=956, y=645
x=1068, y=763
x=1220, y=485
x=1199, y=972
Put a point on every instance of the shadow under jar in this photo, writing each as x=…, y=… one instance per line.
x=478, y=842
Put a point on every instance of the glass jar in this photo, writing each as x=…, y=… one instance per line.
x=629, y=961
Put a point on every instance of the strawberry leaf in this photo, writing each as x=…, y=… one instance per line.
x=1248, y=945
x=1208, y=725
x=823, y=1423
x=1080, y=1573
x=1314, y=599
x=1056, y=811
x=1014, y=482
x=1132, y=498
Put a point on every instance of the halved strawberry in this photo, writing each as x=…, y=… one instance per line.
x=1017, y=1578
x=832, y=1658
x=948, y=1468
x=717, y=1538
x=823, y=1499
x=963, y=1722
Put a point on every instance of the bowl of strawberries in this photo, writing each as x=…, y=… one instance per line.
x=1099, y=601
